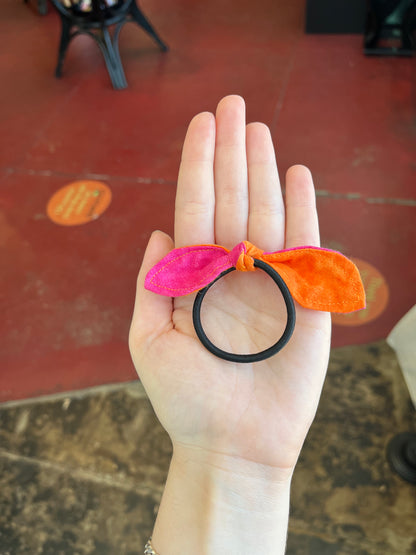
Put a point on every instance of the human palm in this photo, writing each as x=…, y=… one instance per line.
x=229, y=191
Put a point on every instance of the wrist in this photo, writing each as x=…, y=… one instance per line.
x=222, y=470
x=214, y=503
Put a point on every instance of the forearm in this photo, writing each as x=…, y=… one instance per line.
x=215, y=504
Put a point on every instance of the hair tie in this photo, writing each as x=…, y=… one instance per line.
x=317, y=278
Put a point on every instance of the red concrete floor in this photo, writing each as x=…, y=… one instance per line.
x=67, y=292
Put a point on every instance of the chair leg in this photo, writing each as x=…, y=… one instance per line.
x=42, y=7
x=408, y=28
x=112, y=60
x=143, y=22
x=63, y=45
x=117, y=51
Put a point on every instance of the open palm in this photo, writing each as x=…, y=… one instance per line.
x=229, y=191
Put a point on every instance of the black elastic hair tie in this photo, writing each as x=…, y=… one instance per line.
x=254, y=357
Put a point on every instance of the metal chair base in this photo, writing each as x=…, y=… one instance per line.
x=99, y=31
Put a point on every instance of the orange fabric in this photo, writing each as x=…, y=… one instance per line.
x=317, y=278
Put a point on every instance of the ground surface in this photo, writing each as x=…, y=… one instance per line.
x=83, y=473
x=66, y=293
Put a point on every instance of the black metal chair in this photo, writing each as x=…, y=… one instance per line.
x=390, y=28
x=96, y=23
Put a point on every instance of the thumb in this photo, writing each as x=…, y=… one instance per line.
x=152, y=313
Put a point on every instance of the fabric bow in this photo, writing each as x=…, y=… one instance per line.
x=317, y=278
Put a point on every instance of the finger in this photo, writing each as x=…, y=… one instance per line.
x=195, y=196
x=152, y=313
x=230, y=173
x=302, y=226
x=266, y=218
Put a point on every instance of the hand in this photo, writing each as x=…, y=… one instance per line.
x=228, y=191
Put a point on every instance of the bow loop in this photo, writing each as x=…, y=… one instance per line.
x=320, y=279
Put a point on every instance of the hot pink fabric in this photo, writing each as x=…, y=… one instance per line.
x=189, y=269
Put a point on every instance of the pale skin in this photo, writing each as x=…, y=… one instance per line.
x=236, y=429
